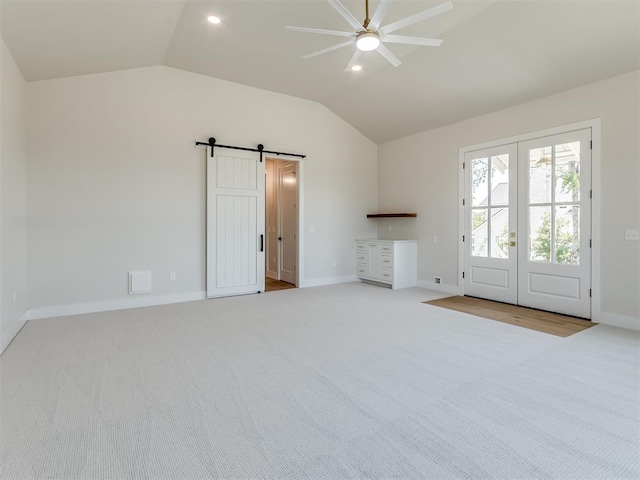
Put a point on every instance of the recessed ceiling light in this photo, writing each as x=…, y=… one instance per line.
x=213, y=19
x=356, y=68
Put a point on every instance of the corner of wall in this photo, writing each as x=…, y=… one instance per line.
x=13, y=194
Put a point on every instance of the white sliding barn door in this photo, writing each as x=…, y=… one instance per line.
x=235, y=223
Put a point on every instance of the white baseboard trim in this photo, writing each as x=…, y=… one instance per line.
x=319, y=282
x=273, y=275
x=109, y=305
x=617, y=320
x=440, y=287
x=11, y=331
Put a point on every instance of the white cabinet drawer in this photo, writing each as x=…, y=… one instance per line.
x=386, y=261
x=386, y=275
x=361, y=247
x=362, y=257
x=386, y=248
x=361, y=270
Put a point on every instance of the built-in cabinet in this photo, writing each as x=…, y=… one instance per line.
x=393, y=263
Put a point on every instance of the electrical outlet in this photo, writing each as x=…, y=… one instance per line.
x=172, y=276
x=631, y=234
x=436, y=279
x=435, y=239
x=334, y=263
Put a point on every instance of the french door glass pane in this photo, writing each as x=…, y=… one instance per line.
x=500, y=180
x=499, y=246
x=479, y=232
x=567, y=234
x=480, y=181
x=540, y=163
x=540, y=234
x=567, y=172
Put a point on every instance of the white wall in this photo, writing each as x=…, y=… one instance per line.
x=13, y=198
x=116, y=183
x=420, y=173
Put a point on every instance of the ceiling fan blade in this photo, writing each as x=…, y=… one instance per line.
x=429, y=42
x=321, y=31
x=353, y=60
x=418, y=17
x=330, y=49
x=381, y=12
x=388, y=54
x=346, y=14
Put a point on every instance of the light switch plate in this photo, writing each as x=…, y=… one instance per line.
x=631, y=234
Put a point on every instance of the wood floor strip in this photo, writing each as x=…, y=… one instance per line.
x=538, y=320
x=272, y=285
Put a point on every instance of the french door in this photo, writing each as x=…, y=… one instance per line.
x=492, y=221
x=235, y=224
x=528, y=223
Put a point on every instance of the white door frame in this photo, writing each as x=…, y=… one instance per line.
x=299, y=253
x=280, y=214
x=596, y=206
x=271, y=194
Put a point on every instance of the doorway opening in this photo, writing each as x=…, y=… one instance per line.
x=282, y=195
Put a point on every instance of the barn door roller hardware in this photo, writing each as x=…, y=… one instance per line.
x=212, y=143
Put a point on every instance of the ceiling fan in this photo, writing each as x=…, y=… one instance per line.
x=370, y=35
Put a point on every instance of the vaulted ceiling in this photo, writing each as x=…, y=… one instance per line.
x=496, y=53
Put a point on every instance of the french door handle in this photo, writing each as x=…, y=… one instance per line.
x=262, y=243
x=280, y=239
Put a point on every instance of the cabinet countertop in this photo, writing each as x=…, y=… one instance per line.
x=385, y=240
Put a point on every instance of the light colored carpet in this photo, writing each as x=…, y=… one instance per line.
x=347, y=381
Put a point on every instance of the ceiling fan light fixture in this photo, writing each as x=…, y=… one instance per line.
x=367, y=41
x=356, y=68
x=213, y=19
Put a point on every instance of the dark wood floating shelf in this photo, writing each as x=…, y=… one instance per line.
x=391, y=215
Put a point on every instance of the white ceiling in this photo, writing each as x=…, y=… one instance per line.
x=496, y=53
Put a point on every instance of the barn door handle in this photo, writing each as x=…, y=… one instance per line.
x=262, y=243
